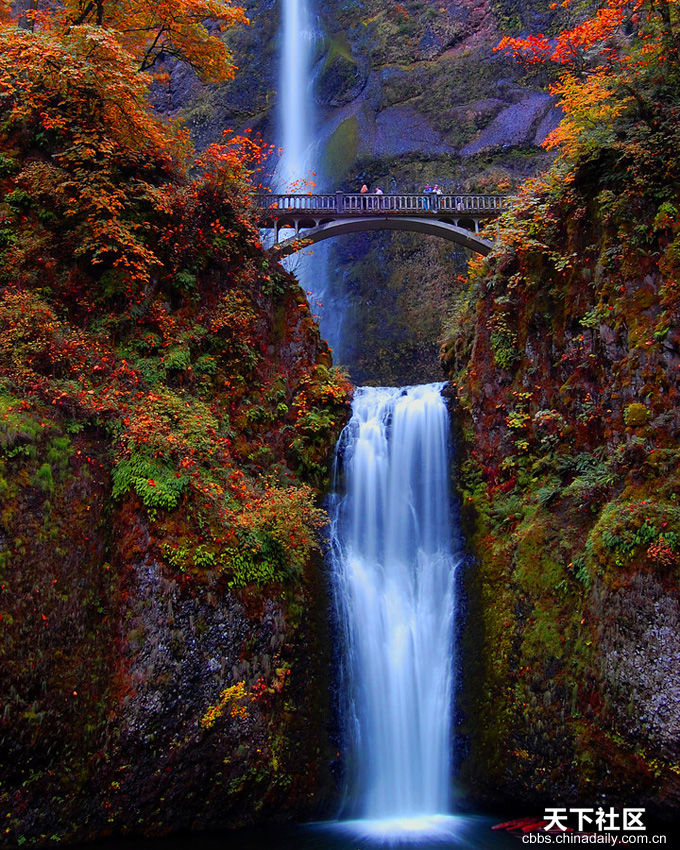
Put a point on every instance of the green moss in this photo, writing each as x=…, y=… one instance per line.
x=537, y=570
x=505, y=354
x=339, y=75
x=636, y=415
x=44, y=478
x=20, y=430
x=151, y=369
x=542, y=636
x=629, y=530
x=177, y=357
x=341, y=149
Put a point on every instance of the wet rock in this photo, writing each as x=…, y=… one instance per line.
x=519, y=123
x=400, y=129
x=640, y=661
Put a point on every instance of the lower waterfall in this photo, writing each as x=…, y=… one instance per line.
x=393, y=557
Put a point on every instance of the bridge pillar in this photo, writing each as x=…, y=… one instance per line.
x=339, y=202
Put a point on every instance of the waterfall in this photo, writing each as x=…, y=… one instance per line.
x=393, y=559
x=300, y=164
x=296, y=113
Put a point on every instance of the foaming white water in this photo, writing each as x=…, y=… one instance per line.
x=394, y=556
x=462, y=832
x=413, y=829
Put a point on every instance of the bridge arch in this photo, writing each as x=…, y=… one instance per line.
x=432, y=227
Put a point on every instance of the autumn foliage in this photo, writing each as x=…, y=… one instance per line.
x=618, y=84
x=165, y=399
x=137, y=298
x=187, y=30
x=606, y=63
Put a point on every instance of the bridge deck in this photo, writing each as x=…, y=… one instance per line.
x=357, y=204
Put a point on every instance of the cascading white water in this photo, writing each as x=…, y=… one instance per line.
x=393, y=558
x=295, y=104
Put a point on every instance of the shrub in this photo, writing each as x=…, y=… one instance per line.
x=635, y=415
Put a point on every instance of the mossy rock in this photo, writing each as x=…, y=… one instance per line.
x=341, y=149
x=635, y=415
x=341, y=79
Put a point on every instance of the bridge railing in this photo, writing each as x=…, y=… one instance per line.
x=304, y=203
x=356, y=203
x=473, y=203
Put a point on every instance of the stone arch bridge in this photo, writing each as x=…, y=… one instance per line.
x=313, y=218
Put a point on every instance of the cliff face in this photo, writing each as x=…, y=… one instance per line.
x=565, y=359
x=127, y=618
x=417, y=83
x=167, y=412
x=412, y=94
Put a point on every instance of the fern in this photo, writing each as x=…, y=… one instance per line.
x=157, y=484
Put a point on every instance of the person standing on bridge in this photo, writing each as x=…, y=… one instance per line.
x=426, y=201
x=435, y=201
x=364, y=191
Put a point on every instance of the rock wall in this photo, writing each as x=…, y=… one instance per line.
x=436, y=105
x=564, y=360
x=118, y=642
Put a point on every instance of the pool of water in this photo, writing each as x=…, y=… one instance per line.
x=445, y=832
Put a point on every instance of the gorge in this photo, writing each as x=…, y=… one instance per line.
x=171, y=633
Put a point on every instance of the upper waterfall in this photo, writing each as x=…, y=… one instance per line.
x=300, y=167
x=296, y=106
